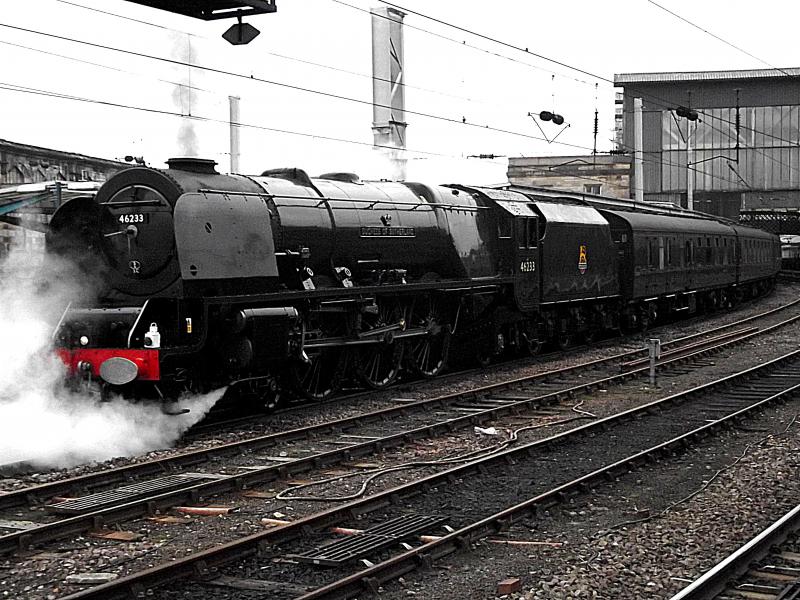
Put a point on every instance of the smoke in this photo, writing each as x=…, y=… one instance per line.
x=184, y=96
x=42, y=421
x=187, y=139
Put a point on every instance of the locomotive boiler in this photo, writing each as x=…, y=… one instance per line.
x=285, y=282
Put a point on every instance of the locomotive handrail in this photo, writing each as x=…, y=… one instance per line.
x=129, y=203
x=322, y=199
x=61, y=320
x=136, y=322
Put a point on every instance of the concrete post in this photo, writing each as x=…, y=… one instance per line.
x=654, y=350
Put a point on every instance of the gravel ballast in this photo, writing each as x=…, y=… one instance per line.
x=557, y=570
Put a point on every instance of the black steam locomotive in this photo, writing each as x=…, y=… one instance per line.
x=283, y=281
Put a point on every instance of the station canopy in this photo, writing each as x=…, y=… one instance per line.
x=28, y=195
x=209, y=10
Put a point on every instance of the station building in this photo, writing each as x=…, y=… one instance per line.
x=763, y=173
x=23, y=163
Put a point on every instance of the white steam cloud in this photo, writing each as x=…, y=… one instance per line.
x=183, y=95
x=43, y=423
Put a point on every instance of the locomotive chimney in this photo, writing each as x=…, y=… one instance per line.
x=195, y=165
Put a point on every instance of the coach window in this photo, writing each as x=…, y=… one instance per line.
x=661, y=253
x=688, y=254
x=640, y=256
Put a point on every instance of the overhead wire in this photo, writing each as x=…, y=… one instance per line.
x=716, y=37
x=49, y=93
x=127, y=18
x=293, y=58
x=757, y=150
x=792, y=143
x=284, y=85
x=515, y=47
x=661, y=101
x=761, y=60
x=656, y=100
x=490, y=39
x=109, y=67
x=419, y=113
x=462, y=43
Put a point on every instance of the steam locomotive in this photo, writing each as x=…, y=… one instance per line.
x=282, y=282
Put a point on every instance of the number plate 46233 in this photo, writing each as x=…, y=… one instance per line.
x=133, y=218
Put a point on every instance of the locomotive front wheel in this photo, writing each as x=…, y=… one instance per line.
x=321, y=377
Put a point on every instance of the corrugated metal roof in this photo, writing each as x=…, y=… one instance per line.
x=625, y=78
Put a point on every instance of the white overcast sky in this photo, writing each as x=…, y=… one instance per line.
x=471, y=78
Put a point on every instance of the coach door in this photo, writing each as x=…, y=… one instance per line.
x=526, y=268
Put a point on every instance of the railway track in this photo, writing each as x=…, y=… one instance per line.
x=159, y=485
x=765, y=568
x=405, y=387
x=395, y=531
x=87, y=502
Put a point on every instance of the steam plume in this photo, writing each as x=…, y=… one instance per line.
x=183, y=95
x=42, y=422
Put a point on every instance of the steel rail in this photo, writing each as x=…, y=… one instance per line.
x=126, y=473
x=193, y=493
x=205, y=563
x=369, y=579
x=715, y=581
